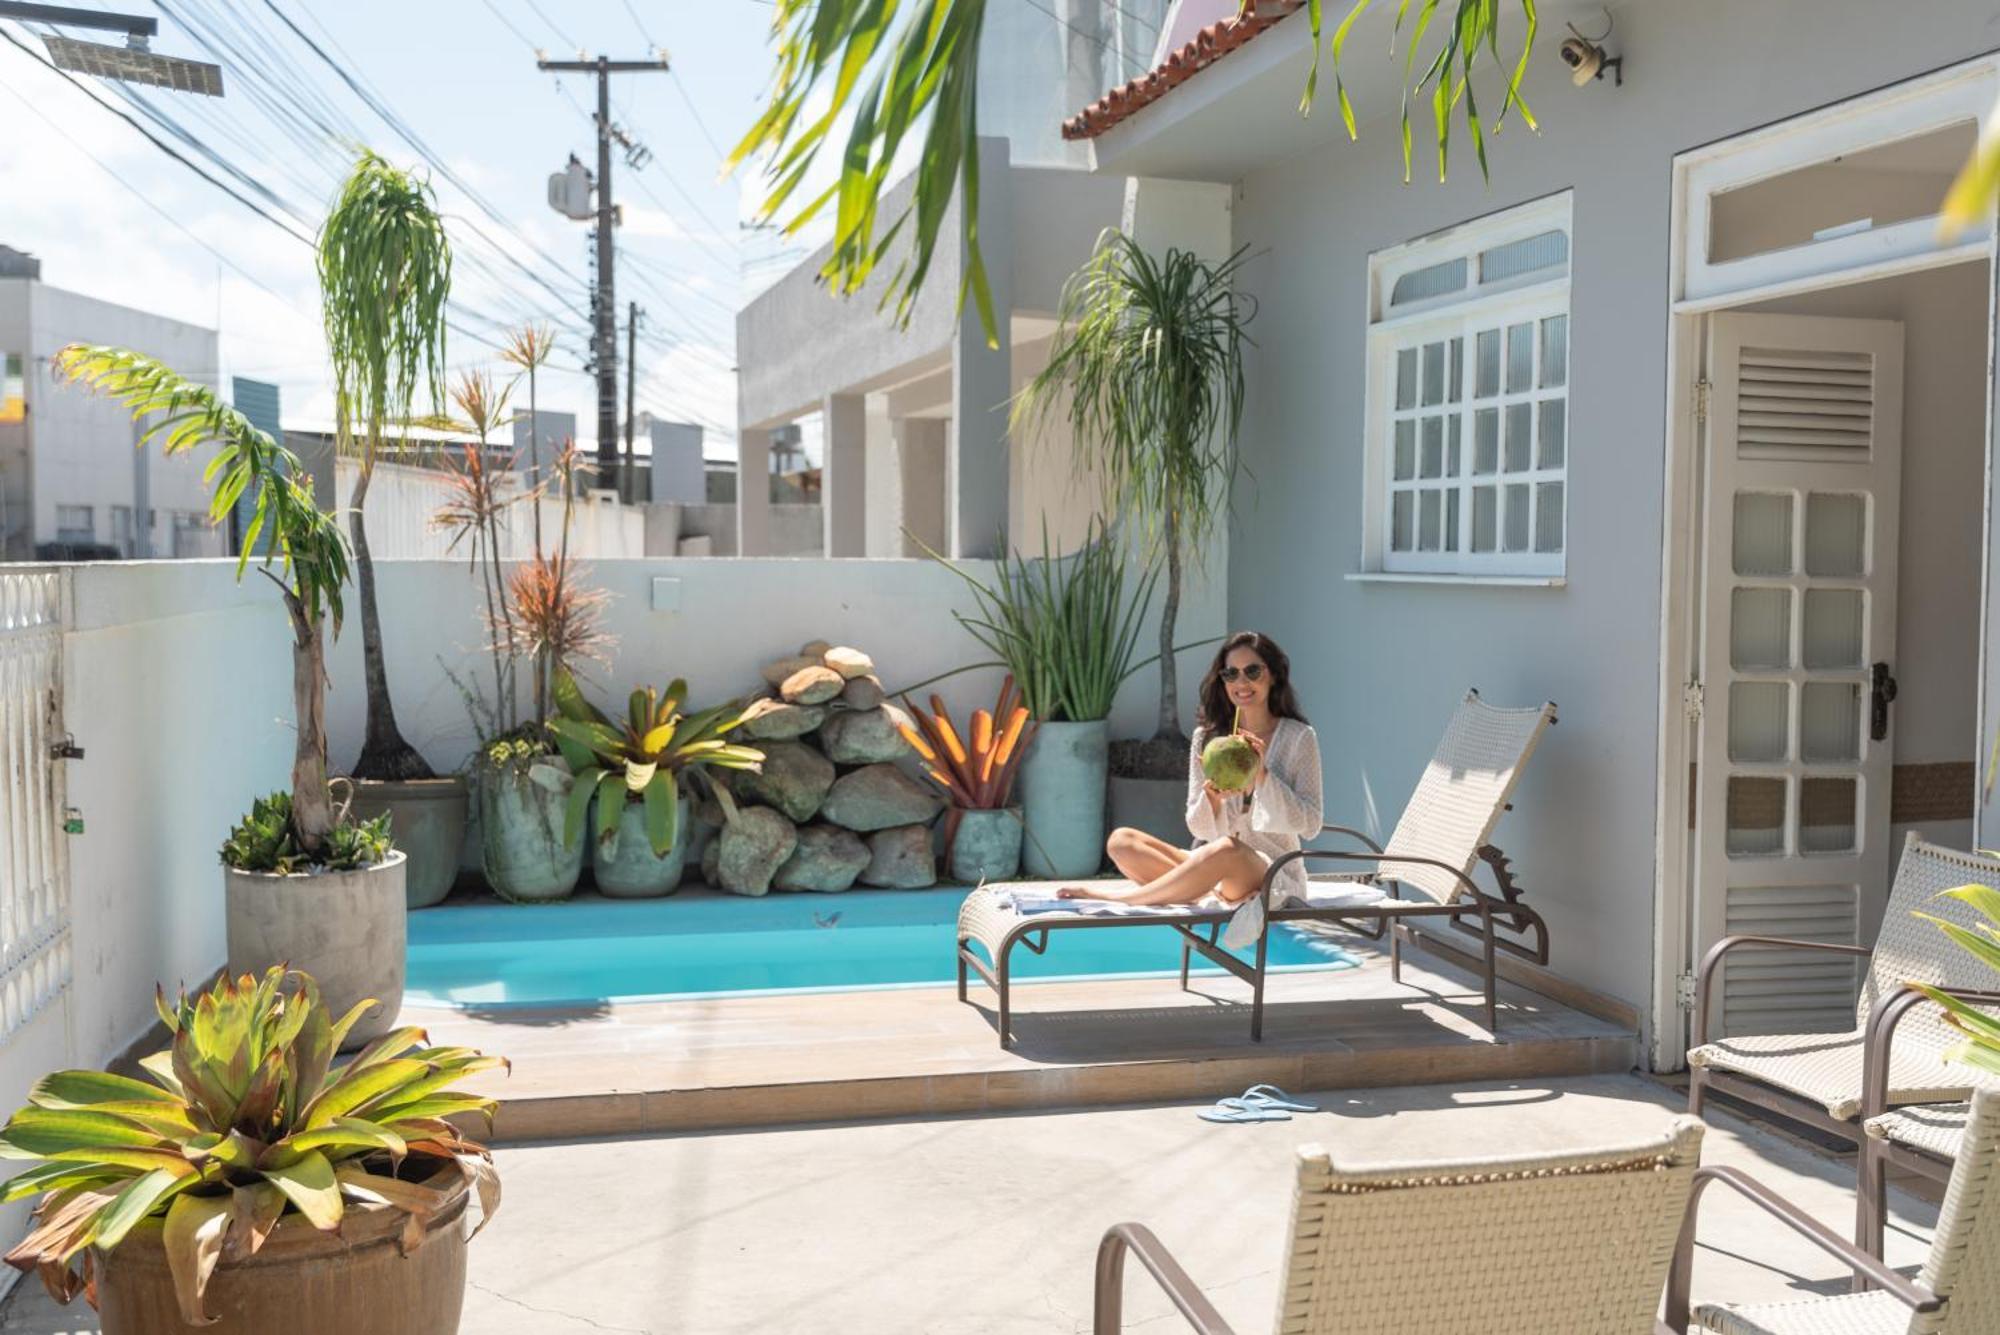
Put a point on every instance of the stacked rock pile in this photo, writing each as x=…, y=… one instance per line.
x=833, y=806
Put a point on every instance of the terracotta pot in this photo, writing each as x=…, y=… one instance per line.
x=348, y=929
x=303, y=1281
x=427, y=821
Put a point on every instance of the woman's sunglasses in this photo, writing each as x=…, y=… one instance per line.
x=1255, y=672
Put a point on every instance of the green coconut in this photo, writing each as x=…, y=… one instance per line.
x=1229, y=761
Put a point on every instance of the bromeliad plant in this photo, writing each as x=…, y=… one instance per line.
x=977, y=771
x=244, y=1123
x=644, y=757
x=1981, y=1045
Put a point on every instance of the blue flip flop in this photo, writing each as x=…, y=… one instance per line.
x=1259, y=1103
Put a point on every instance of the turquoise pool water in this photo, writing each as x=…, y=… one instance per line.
x=703, y=945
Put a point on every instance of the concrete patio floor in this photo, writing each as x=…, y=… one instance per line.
x=988, y=1225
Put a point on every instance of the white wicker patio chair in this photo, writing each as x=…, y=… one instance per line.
x=1558, y=1244
x=1956, y=1293
x=1822, y=1079
x=1439, y=842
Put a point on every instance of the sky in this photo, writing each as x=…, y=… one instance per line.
x=113, y=216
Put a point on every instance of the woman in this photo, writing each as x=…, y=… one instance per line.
x=1238, y=835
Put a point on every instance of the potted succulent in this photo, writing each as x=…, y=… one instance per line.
x=524, y=780
x=246, y=1185
x=1067, y=630
x=1146, y=370
x=636, y=770
x=982, y=830
x=305, y=884
x=385, y=276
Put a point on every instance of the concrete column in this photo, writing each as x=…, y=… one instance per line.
x=753, y=492
x=982, y=379
x=844, y=474
x=920, y=454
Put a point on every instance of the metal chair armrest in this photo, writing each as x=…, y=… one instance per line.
x=1378, y=858
x=1907, y=1291
x=1351, y=833
x=1109, y=1307
x=1705, y=975
x=1882, y=1023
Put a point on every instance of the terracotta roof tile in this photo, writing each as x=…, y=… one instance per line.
x=1204, y=49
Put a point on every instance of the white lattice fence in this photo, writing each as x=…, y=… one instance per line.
x=34, y=869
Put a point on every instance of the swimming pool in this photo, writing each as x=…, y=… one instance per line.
x=694, y=945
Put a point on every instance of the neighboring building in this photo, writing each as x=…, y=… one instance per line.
x=72, y=485
x=913, y=421
x=1683, y=420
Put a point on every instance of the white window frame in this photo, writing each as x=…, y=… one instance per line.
x=1532, y=298
x=88, y=513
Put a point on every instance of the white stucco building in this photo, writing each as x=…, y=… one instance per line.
x=70, y=479
x=1682, y=420
x=913, y=419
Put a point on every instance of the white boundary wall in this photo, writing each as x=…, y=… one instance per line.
x=402, y=501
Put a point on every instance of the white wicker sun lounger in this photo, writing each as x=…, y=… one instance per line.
x=1440, y=840
x=1894, y=1055
x=1956, y=1293
x=1559, y=1244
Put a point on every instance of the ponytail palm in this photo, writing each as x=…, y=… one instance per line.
x=1147, y=369
x=385, y=275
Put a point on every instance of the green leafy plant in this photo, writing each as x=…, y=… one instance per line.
x=306, y=556
x=1981, y=1044
x=1065, y=627
x=641, y=758
x=1146, y=367
x=849, y=61
x=242, y=1123
x=384, y=277
x=263, y=841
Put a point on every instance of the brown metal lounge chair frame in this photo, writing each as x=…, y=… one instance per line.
x=1477, y=733
x=1372, y=921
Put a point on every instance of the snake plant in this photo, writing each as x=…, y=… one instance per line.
x=640, y=758
x=243, y=1123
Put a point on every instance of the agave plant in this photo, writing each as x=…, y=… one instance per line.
x=641, y=758
x=244, y=1123
x=1981, y=1045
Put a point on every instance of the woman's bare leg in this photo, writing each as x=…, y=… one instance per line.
x=1142, y=857
x=1225, y=866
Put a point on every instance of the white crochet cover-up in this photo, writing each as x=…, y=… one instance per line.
x=1285, y=808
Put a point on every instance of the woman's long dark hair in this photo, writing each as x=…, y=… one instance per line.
x=1216, y=715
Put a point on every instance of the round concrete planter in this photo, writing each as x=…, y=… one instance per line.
x=521, y=834
x=1062, y=799
x=988, y=846
x=627, y=867
x=303, y=1281
x=1156, y=806
x=345, y=928
x=427, y=820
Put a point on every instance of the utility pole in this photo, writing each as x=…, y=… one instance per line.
x=604, y=308
x=627, y=474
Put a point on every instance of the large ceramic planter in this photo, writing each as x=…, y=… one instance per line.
x=303, y=1281
x=1062, y=799
x=987, y=847
x=345, y=928
x=1156, y=806
x=427, y=820
x=521, y=841
x=627, y=868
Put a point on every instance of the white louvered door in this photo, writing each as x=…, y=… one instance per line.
x=1804, y=464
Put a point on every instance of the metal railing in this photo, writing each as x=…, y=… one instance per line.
x=34, y=867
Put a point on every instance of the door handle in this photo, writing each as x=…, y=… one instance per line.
x=1881, y=690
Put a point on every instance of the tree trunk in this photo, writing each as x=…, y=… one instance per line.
x=384, y=753
x=312, y=802
x=1170, y=607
